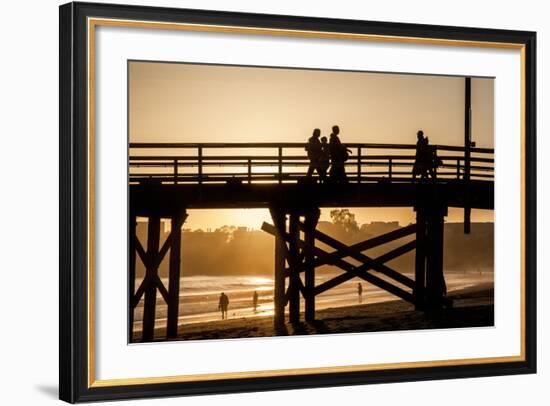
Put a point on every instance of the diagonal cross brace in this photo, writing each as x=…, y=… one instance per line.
x=152, y=261
x=300, y=286
x=346, y=266
x=368, y=277
x=369, y=263
x=149, y=278
x=365, y=267
x=352, y=251
x=344, y=250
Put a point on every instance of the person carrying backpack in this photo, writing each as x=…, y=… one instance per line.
x=339, y=154
x=314, y=152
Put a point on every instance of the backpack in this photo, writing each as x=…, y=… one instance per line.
x=309, y=153
x=313, y=149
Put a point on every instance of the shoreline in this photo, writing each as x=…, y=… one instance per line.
x=473, y=307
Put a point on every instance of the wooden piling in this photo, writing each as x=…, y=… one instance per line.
x=150, y=294
x=174, y=276
x=435, y=279
x=294, y=280
x=420, y=260
x=310, y=222
x=467, y=152
x=131, y=274
x=279, y=220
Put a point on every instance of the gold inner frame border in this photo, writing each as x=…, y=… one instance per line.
x=94, y=22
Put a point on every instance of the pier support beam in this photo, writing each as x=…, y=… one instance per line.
x=310, y=222
x=420, y=261
x=467, y=152
x=150, y=293
x=430, y=289
x=174, y=275
x=279, y=220
x=131, y=273
x=294, y=255
x=294, y=260
x=152, y=284
x=436, y=289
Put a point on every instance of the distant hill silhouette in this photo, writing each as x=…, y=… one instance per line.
x=238, y=251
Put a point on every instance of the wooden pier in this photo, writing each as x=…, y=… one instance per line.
x=165, y=180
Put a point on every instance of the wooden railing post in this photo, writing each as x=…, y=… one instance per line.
x=200, y=165
x=280, y=164
x=166, y=167
x=435, y=166
x=358, y=165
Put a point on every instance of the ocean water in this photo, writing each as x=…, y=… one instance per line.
x=199, y=295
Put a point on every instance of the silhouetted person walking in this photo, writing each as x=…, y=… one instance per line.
x=360, y=292
x=425, y=158
x=418, y=164
x=314, y=150
x=432, y=160
x=255, y=301
x=338, y=156
x=223, y=305
x=324, y=160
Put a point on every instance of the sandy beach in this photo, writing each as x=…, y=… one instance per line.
x=472, y=307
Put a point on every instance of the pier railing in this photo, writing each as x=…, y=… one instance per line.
x=188, y=163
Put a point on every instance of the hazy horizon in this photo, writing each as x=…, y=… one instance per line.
x=212, y=219
x=250, y=252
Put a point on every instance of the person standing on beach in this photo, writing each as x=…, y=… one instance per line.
x=255, y=301
x=360, y=292
x=223, y=305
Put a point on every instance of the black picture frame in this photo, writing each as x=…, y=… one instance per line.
x=74, y=382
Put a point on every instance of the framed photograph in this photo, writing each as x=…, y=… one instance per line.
x=256, y=202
